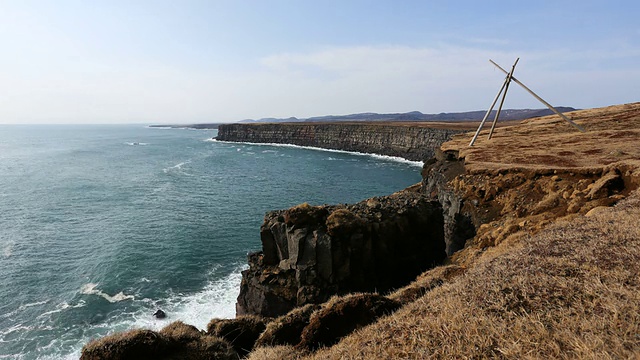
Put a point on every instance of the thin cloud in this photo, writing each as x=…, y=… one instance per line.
x=331, y=80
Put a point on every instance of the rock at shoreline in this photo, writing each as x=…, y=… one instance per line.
x=313, y=252
x=176, y=341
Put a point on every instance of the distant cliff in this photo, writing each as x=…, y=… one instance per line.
x=407, y=141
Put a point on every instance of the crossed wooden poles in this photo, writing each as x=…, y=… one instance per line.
x=505, y=88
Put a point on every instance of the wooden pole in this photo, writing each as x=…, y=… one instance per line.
x=541, y=100
x=495, y=100
x=504, y=96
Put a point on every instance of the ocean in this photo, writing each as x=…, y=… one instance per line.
x=100, y=225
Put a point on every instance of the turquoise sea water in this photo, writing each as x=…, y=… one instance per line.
x=102, y=225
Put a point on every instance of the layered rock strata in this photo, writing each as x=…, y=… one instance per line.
x=437, y=173
x=312, y=252
x=415, y=143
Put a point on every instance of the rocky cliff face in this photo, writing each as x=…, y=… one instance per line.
x=310, y=253
x=406, y=141
x=459, y=224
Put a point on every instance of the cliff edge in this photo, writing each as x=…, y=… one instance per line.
x=540, y=228
x=415, y=142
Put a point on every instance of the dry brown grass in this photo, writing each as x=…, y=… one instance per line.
x=426, y=282
x=612, y=136
x=341, y=315
x=572, y=291
x=280, y=352
x=554, y=272
x=241, y=332
x=286, y=329
x=541, y=279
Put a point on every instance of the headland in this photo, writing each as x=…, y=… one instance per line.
x=525, y=245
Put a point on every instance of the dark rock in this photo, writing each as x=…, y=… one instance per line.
x=241, y=332
x=341, y=316
x=286, y=329
x=266, y=291
x=458, y=217
x=315, y=252
x=159, y=314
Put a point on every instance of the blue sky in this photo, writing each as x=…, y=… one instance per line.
x=208, y=61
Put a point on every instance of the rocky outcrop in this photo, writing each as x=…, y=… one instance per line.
x=176, y=341
x=312, y=252
x=407, y=141
x=458, y=223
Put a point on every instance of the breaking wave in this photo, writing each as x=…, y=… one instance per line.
x=376, y=156
x=90, y=289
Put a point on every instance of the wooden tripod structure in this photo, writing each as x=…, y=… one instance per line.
x=505, y=88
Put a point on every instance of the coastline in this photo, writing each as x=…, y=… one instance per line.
x=315, y=148
x=413, y=142
x=531, y=231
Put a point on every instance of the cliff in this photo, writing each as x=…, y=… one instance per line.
x=311, y=253
x=412, y=142
x=540, y=225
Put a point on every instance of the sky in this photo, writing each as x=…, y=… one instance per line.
x=188, y=61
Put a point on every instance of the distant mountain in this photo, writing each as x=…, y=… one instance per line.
x=506, y=114
x=272, y=120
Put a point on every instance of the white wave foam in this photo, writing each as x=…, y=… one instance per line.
x=377, y=156
x=22, y=308
x=63, y=306
x=137, y=143
x=7, y=251
x=216, y=300
x=14, y=328
x=176, y=167
x=90, y=289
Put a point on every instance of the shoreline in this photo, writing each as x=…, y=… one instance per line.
x=315, y=148
x=410, y=142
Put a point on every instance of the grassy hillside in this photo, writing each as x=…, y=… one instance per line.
x=552, y=272
x=555, y=275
